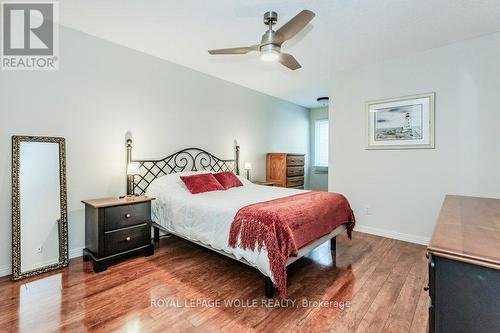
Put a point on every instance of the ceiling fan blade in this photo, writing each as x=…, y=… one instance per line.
x=289, y=61
x=235, y=50
x=293, y=27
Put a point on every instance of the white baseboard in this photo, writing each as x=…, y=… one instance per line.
x=393, y=234
x=73, y=253
x=5, y=270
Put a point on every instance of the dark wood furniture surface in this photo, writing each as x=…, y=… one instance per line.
x=464, y=266
x=116, y=227
x=286, y=170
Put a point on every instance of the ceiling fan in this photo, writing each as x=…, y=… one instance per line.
x=270, y=45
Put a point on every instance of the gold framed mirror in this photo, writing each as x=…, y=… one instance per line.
x=39, y=205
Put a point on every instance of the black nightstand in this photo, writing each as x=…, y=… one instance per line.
x=116, y=227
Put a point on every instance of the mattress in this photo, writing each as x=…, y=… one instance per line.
x=206, y=218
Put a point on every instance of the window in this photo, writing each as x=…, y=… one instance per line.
x=321, y=143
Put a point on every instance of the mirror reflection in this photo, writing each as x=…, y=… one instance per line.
x=39, y=209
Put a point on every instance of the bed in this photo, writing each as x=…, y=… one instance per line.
x=205, y=219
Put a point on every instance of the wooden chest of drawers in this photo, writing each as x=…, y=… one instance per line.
x=286, y=170
x=115, y=227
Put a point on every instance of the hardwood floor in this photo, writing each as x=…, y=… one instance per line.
x=379, y=282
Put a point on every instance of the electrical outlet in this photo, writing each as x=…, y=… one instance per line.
x=39, y=249
x=368, y=210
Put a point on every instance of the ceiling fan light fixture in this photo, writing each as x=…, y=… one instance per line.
x=271, y=41
x=269, y=56
x=269, y=52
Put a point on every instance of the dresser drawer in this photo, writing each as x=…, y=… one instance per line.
x=126, y=239
x=295, y=181
x=293, y=171
x=295, y=160
x=127, y=215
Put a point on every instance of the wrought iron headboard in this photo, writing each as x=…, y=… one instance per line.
x=189, y=159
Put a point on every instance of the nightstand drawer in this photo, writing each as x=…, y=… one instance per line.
x=117, y=226
x=295, y=181
x=127, y=215
x=126, y=239
x=295, y=171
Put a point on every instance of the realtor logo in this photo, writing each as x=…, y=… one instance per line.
x=29, y=36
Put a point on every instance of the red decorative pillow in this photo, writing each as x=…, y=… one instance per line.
x=205, y=182
x=227, y=179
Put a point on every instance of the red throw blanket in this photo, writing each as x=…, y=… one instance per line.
x=286, y=224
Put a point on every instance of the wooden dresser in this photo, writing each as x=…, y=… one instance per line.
x=286, y=170
x=116, y=227
x=464, y=266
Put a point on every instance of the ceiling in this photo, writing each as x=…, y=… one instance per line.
x=344, y=34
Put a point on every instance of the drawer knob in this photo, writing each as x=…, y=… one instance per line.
x=128, y=238
x=127, y=215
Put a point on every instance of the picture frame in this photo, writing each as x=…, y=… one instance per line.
x=401, y=123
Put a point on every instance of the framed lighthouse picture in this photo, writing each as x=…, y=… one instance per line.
x=401, y=123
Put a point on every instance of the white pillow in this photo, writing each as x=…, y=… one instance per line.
x=244, y=180
x=173, y=181
x=173, y=178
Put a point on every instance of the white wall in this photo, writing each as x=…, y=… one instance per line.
x=405, y=189
x=318, y=179
x=102, y=91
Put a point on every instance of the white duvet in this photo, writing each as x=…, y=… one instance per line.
x=207, y=217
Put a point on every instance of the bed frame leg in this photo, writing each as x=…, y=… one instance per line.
x=156, y=237
x=268, y=287
x=333, y=247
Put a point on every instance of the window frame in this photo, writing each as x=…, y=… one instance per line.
x=317, y=124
